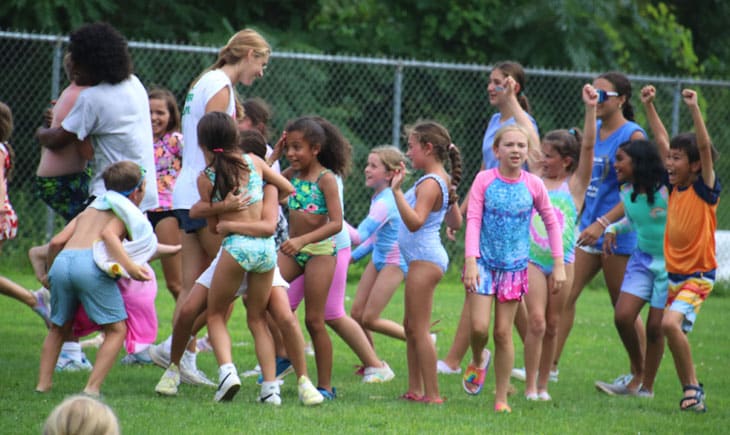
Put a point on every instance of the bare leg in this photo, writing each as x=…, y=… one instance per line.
x=288, y=325
x=167, y=232
x=423, y=276
x=114, y=335
x=680, y=347
x=49, y=355
x=654, y=347
x=461, y=339
x=504, y=317
x=385, y=285
x=626, y=310
x=536, y=300
x=555, y=308
x=586, y=267
x=15, y=291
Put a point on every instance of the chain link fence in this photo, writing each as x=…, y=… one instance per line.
x=369, y=99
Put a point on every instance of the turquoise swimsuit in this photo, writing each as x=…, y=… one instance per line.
x=309, y=198
x=253, y=254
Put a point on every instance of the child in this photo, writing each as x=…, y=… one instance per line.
x=615, y=125
x=81, y=415
x=378, y=234
x=278, y=305
x=639, y=166
x=422, y=210
x=497, y=251
x=63, y=176
x=228, y=172
x=75, y=278
x=317, y=152
x=689, y=239
x=168, y=144
x=566, y=172
x=9, y=220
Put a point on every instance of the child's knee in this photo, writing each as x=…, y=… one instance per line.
x=537, y=325
x=502, y=336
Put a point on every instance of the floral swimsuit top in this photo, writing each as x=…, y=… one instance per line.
x=254, y=188
x=307, y=196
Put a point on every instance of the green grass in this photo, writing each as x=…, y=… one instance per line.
x=594, y=352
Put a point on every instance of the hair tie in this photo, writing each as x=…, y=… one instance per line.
x=217, y=150
x=452, y=146
x=572, y=131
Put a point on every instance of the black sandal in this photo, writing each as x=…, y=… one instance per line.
x=698, y=399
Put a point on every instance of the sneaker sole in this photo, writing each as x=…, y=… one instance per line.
x=229, y=394
x=158, y=359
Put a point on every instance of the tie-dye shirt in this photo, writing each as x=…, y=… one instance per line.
x=498, y=219
x=567, y=216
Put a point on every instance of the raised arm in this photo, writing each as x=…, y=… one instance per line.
x=582, y=177
x=523, y=119
x=427, y=193
x=271, y=176
x=704, y=145
x=661, y=137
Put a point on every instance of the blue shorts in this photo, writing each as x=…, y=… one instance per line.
x=646, y=278
x=687, y=293
x=75, y=278
x=188, y=224
x=253, y=254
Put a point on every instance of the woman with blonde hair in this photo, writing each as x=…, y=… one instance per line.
x=242, y=60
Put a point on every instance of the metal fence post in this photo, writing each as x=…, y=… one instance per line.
x=676, y=102
x=397, y=102
x=55, y=90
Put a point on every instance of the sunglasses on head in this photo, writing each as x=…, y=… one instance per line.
x=603, y=95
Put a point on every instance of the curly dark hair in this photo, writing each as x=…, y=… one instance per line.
x=99, y=54
x=648, y=167
x=335, y=151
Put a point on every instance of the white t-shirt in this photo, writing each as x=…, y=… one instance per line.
x=117, y=119
x=185, y=193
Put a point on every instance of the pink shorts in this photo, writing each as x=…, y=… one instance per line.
x=335, y=306
x=139, y=301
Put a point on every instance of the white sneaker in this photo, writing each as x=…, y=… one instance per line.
x=270, y=394
x=228, y=387
x=169, y=382
x=374, y=375
x=253, y=372
x=444, y=369
x=159, y=355
x=308, y=394
x=189, y=372
x=554, y=375
x=66, y=363
x=519, y=373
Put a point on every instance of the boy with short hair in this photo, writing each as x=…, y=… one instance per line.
x=75, y=277
x=689, y=240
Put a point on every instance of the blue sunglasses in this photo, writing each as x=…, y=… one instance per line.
x=603, y=95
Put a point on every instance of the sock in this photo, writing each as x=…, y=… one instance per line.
x=72, y=350
x=225, y=369
x=167, y=344
x=190, y=359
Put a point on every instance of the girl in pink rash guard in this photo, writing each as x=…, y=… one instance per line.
x=497, y=251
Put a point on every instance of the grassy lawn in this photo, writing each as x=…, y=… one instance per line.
x=594, y=352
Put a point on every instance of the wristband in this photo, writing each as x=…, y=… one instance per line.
x=603, y=221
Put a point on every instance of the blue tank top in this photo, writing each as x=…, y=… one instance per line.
x=603, y=191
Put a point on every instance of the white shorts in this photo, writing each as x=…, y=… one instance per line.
x=206, y=277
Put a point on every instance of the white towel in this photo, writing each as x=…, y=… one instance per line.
x=142, y=243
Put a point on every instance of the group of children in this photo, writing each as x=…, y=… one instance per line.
x=221, y=189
